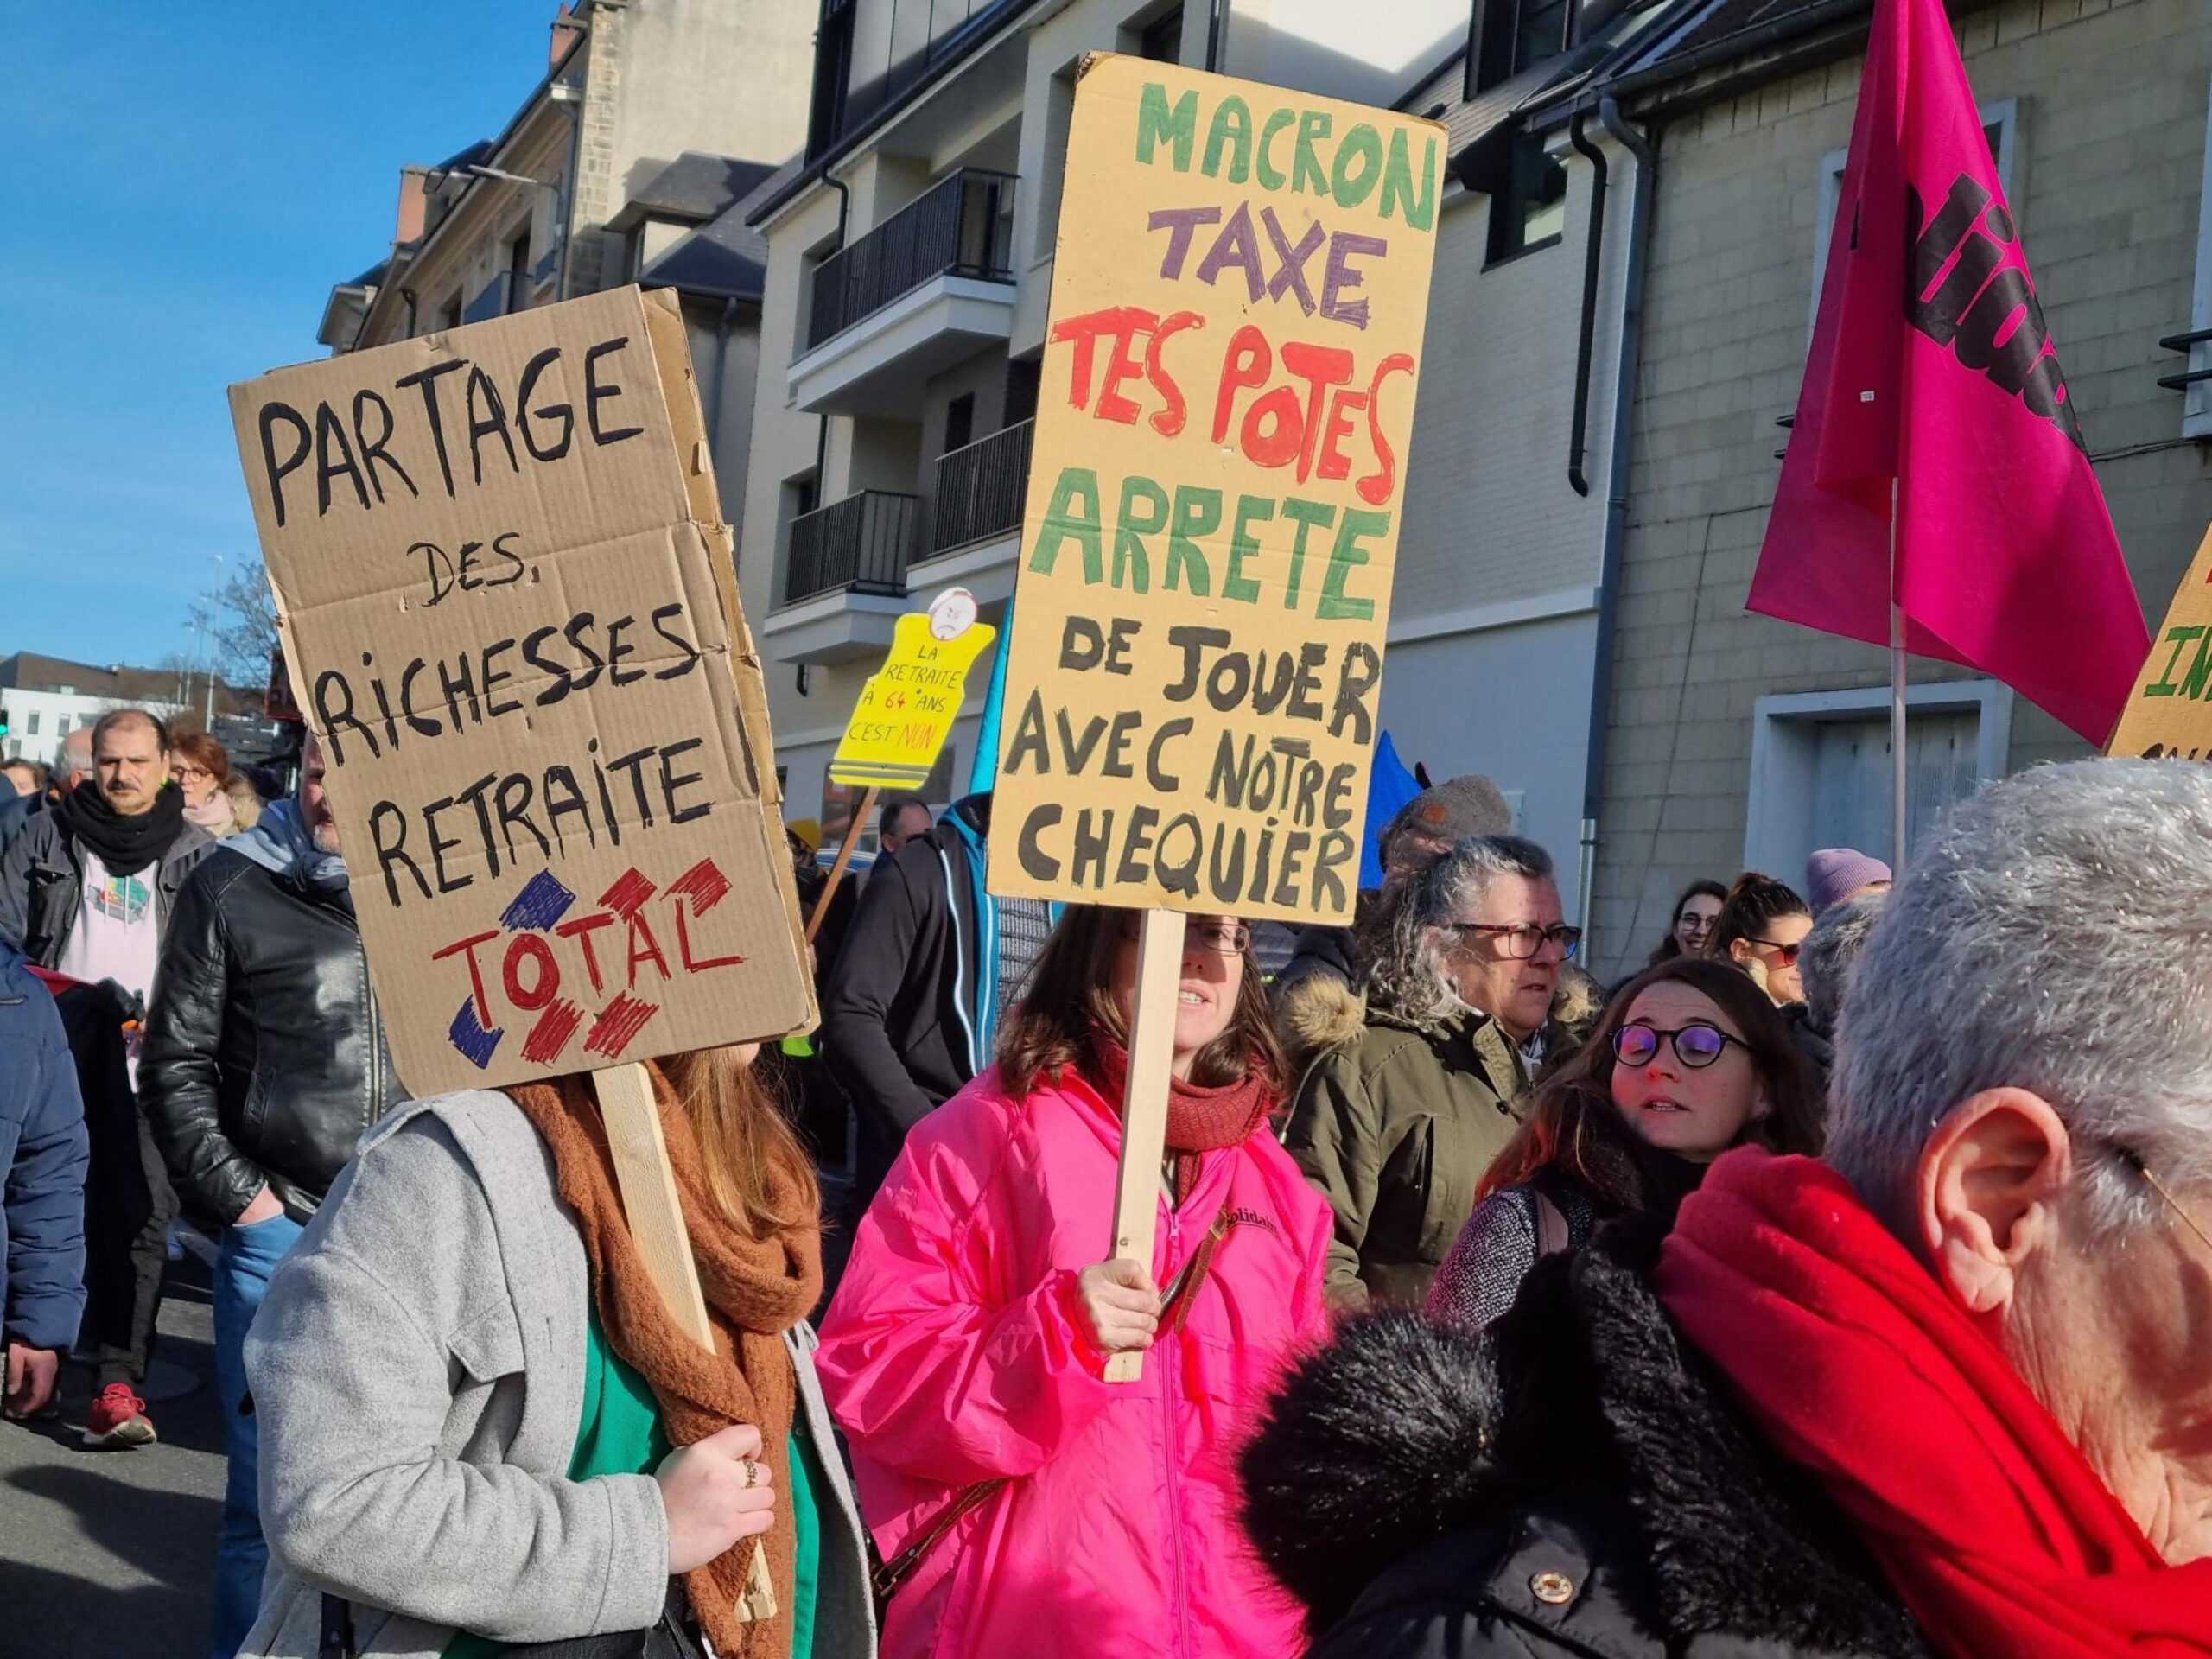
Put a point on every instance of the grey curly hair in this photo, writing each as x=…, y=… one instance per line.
x=2051, y=935
x=1830, y=952
x=1409, y=974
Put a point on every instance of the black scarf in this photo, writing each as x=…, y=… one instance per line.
x=124, y=846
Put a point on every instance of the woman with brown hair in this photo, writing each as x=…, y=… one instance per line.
x=1689, y=1061
x=215, y=799
x=482, y=1431
x=1023, y=1505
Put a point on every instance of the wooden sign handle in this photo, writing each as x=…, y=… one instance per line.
x=844, y=857
x=651, y=1205
x=1144, y=1104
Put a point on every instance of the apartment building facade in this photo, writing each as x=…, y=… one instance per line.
x=1733, y=740
x=909, y=276
x=652, y=118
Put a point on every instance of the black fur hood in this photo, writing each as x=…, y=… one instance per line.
x=1581, y=1408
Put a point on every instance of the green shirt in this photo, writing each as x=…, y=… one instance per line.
x=619, y=1431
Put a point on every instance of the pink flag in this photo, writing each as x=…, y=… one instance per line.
x=1931, y=365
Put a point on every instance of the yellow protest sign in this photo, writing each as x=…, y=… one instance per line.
x=906, y=708
x=2169, y=714
x=1238, y=301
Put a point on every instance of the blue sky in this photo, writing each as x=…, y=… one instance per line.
x=185, y=184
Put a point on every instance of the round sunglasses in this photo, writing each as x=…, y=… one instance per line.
x=1697, y=1044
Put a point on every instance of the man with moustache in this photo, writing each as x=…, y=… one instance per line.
x=265, y=1061
x=86, y=892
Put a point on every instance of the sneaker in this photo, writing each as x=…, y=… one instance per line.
x=118, y=1419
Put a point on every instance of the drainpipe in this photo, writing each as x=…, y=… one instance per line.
x=822, y=427
x=822, y=421
x=1638, y=246
x=1217, y=41
x=1577, y=448
x=713, y=410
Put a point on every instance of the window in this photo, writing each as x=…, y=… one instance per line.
x=2196, y=410
x=1530, y=211
x=1161, y=40
x=2000, y=123
x=1060, y=108
x=959, y=421
x=518, y=270
x=1023, y=376
x=1821, y=765
x=30, y=723
x=1511, y=35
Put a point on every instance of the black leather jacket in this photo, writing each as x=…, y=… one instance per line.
x=264, y=1059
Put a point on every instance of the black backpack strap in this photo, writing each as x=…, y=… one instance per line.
x=337, y=1641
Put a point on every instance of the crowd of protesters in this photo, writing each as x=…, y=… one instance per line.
x=1834, y=1285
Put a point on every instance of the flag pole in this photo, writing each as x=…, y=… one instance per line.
x=1896, y=699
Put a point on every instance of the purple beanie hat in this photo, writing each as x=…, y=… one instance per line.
x=1833, y=873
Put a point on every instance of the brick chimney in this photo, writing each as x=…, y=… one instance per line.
x=409, y=227
x=567, y=27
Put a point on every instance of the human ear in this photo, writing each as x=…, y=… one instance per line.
x=1986, y=1192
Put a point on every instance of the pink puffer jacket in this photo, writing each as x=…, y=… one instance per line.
x=953, y=1353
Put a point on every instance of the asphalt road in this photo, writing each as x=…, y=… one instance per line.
x=111, y=1554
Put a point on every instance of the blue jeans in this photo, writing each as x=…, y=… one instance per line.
x=249, y=1257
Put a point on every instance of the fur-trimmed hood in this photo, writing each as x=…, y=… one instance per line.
x=1581, y=1415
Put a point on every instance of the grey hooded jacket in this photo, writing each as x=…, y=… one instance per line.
x=417, y=1368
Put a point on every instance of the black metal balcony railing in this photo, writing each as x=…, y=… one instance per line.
x=980, y=487
x=861, y=543
x=961, y=227
x=2186, y=345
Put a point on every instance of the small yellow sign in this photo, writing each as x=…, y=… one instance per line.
x=2169, y=716
x=906, y=708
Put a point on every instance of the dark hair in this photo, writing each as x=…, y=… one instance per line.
x=1670, y=947
x=886, y=817
x=1071, y=991
x=115, y=717
x=1575, y=1128
x=1755, y=902
x=40, y=775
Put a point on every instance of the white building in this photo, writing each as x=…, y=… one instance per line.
x=903, y=316
x=43, y=699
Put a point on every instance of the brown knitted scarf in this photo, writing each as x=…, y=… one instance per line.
x=755, y=1291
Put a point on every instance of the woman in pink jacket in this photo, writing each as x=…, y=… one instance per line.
x=1037, y=1511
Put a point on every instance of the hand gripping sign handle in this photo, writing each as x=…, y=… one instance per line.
x=1144, y=1104
x=650, y=1204
x=844, y=857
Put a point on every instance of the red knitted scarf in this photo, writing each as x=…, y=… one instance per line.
x=1199, y=1118
x=1860, y=1366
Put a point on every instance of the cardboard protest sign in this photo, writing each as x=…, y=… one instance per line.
x=2169, y=714
x=509, y=607
x=1238, y=301
x=906, y=708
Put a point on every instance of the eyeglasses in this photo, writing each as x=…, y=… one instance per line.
x=1521, y=940
x=1222, y=938
x=1788, y=953
x=184, y=773
x=1690, y=922
x=2133, y=1159
x=1697, y=1044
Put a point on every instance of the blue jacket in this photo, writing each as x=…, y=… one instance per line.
x=43, y=1157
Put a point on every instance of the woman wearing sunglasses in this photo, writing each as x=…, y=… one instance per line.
x=1689, y=1061
x=1024, y=1506
x=1760, y=929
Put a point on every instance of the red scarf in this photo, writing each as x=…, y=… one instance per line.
x=1199, y=1120
x=2002, y=1540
